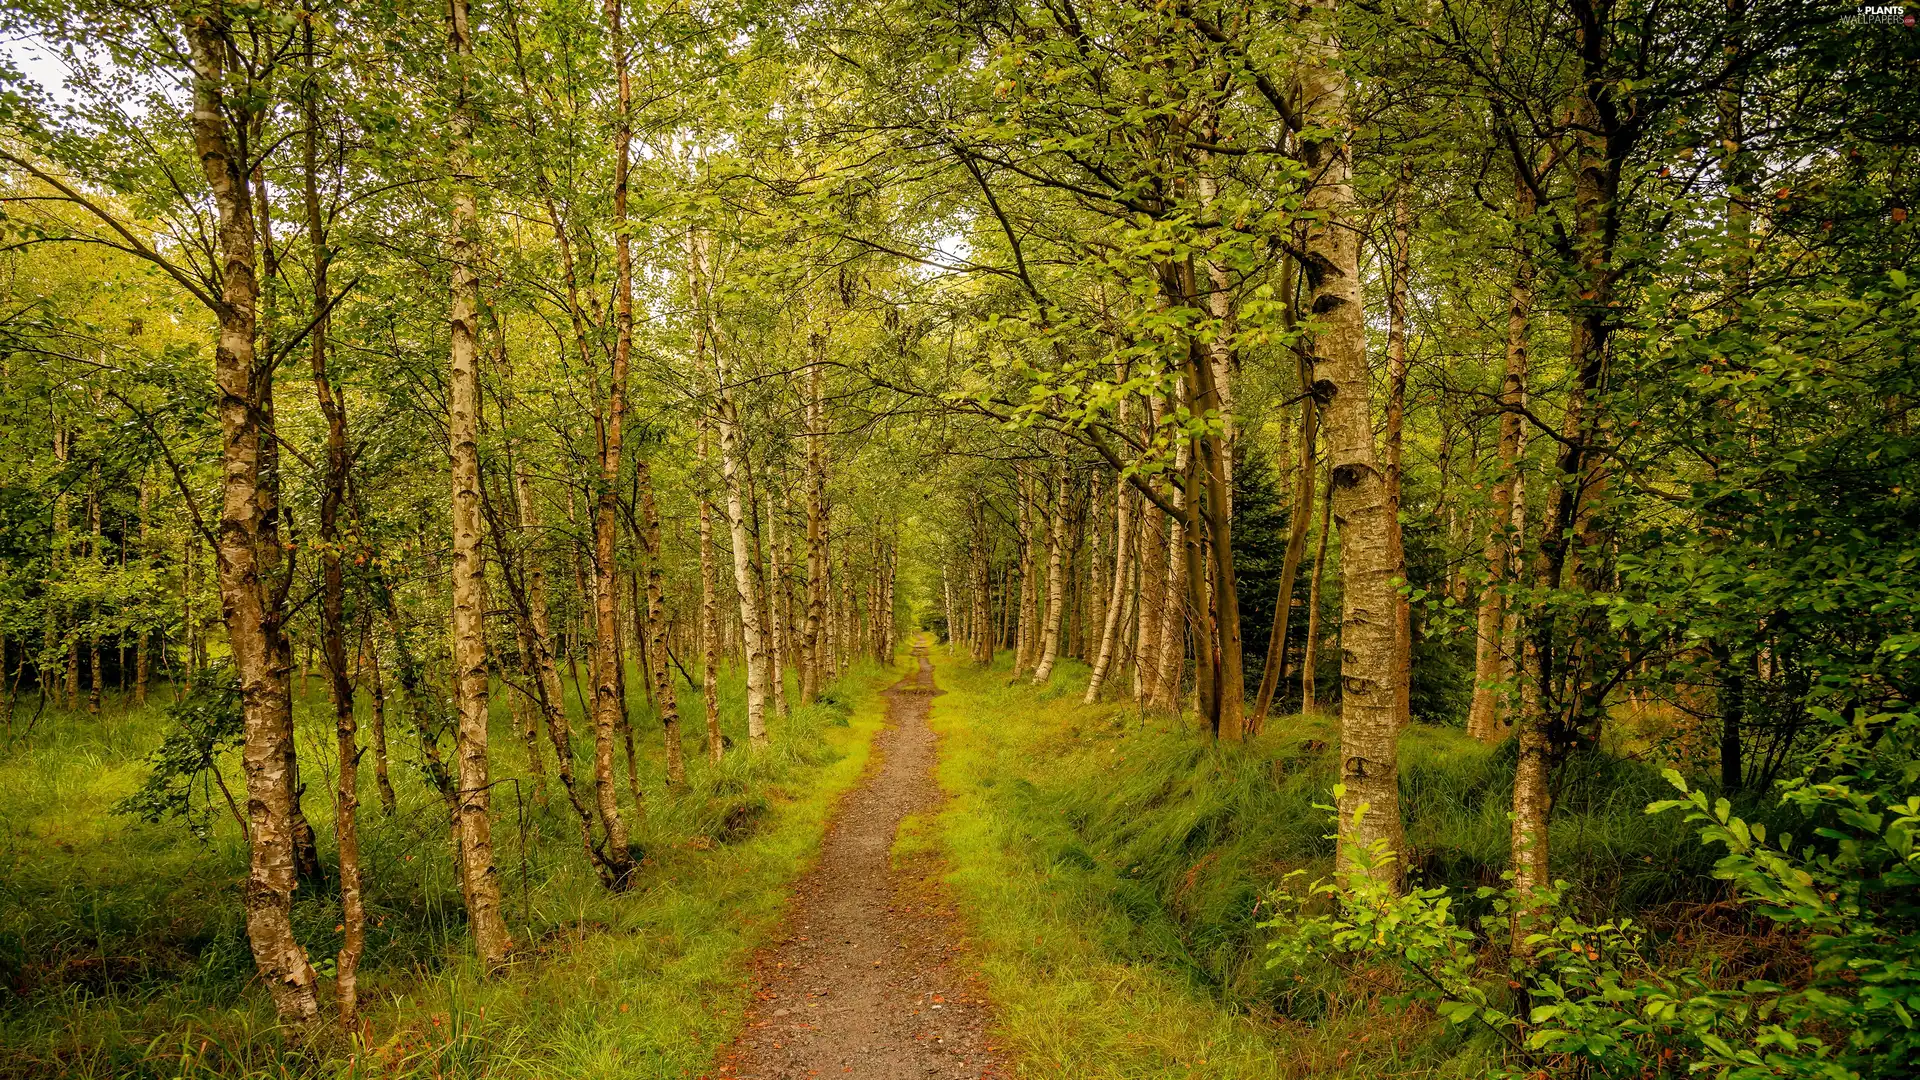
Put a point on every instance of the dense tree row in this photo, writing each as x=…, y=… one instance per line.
x=1541, y=368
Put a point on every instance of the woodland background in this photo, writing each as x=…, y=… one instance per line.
x=463, y=450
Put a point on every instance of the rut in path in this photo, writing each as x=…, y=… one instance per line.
x=865, y=983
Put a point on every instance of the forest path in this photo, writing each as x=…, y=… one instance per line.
x=865, y=982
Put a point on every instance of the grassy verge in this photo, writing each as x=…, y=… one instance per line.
x=122, y=952
x=1113, y=867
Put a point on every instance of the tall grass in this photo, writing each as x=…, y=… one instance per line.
x=1115, y=866
x=123, y=954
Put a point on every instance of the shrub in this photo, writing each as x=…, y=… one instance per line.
x=1602, y=998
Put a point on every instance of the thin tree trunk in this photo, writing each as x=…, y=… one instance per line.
x=1171, y=647
x=1221, y=362
x=552, y=693
x=377, y=721
x=1370, y=720
x=625, y=731
x=96, y=682
x=732, y=470
x=58, y=556
x=1511, y=630
x=1199, y=603
x=1228, y=711
x=834, y=617
x=1006, y=634
x=709, y=604
x=850, y=611
x=1300, y=522
x=1024, y=645
x=189, y=635
x=777, y=635
x=1122, y=566
x=814, y=649
x=140, y=660
x=333, y=630
x=1056, y=579
x=665, y=699
x=1310, y=654
x=1151, y=590
x=607, y=702
x=1491, y=656
x=984, y=631
x=1395, y=437
x=858, y=614
x=482, y=882
x=249, y=543
x=509, y=542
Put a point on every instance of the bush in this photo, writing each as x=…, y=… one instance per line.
x=1603, y=996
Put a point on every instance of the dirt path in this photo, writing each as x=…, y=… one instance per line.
x=864, y=983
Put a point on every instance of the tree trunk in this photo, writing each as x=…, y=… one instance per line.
x=1395, y=437
x=509, y=543
x=625, y=729
x=96, y=681
x=1566, y=532
x=607, y=702
x=1122, y=566
x=982, y=632
x=850, y=632
x=1216, y=469
x=189, y=642
x=1310, y=652
x=1171, y=648
x=1056, y=542
x=1370, y=719
x=709, y=604
x=140, y=661
x=815, y=647
x=1151, y=587
x=333, y=629
x=551, y=692
x=664, y=696
x=883, y=611
x=1491, y=658
x=830, y=664
x=777, y=628
x=377, y=720
x=1532, y=805
x=49, y=673
x=1025, y=646
x=732, y=469
x=249, y=548
x=752, y=635
x=469, y=564
x=1300, y=521
x=1199, y=603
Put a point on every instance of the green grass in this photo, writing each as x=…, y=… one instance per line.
x=1114, y=865
x=122, y=951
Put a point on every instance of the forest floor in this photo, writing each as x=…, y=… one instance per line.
x=868, y=978
x=844, y=904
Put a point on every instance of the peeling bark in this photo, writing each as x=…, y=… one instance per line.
x=474, y=796
x=249, y=549
x=1370, y=720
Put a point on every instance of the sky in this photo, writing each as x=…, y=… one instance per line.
x=40, y=64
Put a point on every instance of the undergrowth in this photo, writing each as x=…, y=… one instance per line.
x=123, y=954
x=1115, y=865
